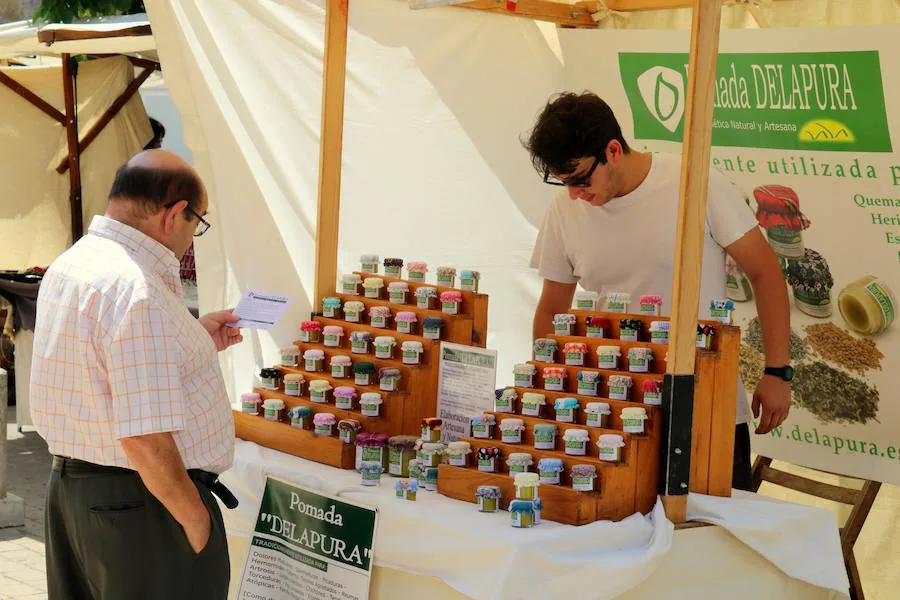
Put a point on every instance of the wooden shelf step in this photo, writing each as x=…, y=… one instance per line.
x=429, y=347
x=561, y=504
x=658, y=365
x=297, y=442
x=654, y=413
x=406, y=371
x=391, y=409
x=457, y=328
x=638, y=379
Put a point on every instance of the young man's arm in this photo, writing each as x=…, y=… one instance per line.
x=555, y=298
x=755, y=257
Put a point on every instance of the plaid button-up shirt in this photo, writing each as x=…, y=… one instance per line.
x=117, y=354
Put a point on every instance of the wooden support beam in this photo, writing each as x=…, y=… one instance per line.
x=32, y=98
x=566, y=15
x=330, y=147
x=108, y=116
x=689, y=243
x=51, y=35
x=73, y=158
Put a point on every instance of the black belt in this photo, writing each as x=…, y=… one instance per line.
x=73, y=466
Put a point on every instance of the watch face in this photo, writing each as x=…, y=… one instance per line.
x=789, y=373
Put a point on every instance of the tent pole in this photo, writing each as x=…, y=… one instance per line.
x=678, y=400
x=70, y=70
x=330, y=147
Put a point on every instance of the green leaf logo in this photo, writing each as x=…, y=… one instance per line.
x=662, y=90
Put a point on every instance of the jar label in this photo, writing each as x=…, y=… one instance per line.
x=633, y=425
x=551, y=477
x=882, y=295
x=392, y=270
x=561, y=329
x=512, y=436
x=594, y=418
x=552, y=381
x=345, y=435
x=574, y=358
x=523, y=380
x=618, y=392
x=588, y=389
x=378, y=321
x=651, y=310
x=516, y=468
x=404, y=326
x=607, y=362
x=585, y=304
x=370, y=410
x=486, y=464
x=458, y=460
x=317, y=396
x=544, y=436
x=352, y=316
x=628, y=335
x=349, y=288
x=323, y=429
x=371, y=476
x=659, y=337
x=617, y=307
x=576, y=444
x=398, y=297
x=371, y=454
x=344, y=403
x=608, y=452
x=479, y=428
x=543, y=356
x=582, y=484
x=564, y=413
x=595, y=332
x=654, y=398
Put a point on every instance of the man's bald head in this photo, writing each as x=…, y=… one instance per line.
x=155, y=179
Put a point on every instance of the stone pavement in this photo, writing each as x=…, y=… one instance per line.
x=22, y=571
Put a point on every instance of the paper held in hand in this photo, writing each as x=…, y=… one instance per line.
x=260, y=310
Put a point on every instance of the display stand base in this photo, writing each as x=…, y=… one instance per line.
x=297, y=442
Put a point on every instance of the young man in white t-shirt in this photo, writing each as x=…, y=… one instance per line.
x=612, y=229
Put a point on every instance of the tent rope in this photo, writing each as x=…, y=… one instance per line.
x=754, y=7
x=604, y=12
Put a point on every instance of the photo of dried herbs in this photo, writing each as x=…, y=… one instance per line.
x=833, y=396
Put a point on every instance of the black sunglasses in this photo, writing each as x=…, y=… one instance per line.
x=578, y=182
x=202, y=224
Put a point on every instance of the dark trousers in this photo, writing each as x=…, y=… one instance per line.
x=109, y=538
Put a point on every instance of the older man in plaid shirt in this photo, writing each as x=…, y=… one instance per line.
x=127, y=391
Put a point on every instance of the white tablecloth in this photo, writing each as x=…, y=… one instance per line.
x=456, y=551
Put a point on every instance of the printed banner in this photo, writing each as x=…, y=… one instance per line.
x=808, y=137
x=308, y=546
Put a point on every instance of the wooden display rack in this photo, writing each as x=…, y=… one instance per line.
x=401, y=411
x=633, y=483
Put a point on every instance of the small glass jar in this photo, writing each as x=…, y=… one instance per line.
x=483, y=426
x=653, y=392
x=506, y=401
x=639, y=359
x=618, y=387
x=314, y=360
x=359, y=342
x=597, y=414
x=458, y=453
x=566, y=410
x=341, y=367
x=370, y=404
x=323, y=424
x=398, y=291
x=588, y=383
x=617, y=302
x=526, y=485
x=393, y=267
x=432, y=327
x=293, y=384
x=488, y=498
x=586, y=300
x=350, y=284
x=549, y=470
x=372, y=287
x=301, y=417
x=583, y=477
x=344, y=397
x=532, y=404
x=633, y=418
x=511, y=430
x=412, y=352
x=431, y=429
x=446, y=276
x=289, y=356
x=610, y=445
x=564, y=324
x=576, y=441
x=596, y=327
x=487, y=459
x=364, y=373
x=250, y=403
x=544, y=436
x=523, y=375
x=468, y=280
x=369, y=263
x=650, y=305
x=319, y=390
x=331, y=307
x=451, y=302
x=348, y=430
x=389, y=379
x=426, y=297
x=659, y=332
x=353, y=311
x=384, y=347
x=332, y=336
x=379, y=316
x=416, y=271
x=544, y=349
x=555, y=378
x=406, y=321
x=401, y=449
x=311, y=332
x=519, y=462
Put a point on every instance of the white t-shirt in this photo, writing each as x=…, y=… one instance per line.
x=628, y=245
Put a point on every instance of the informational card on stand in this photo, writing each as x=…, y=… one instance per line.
x=468, y=377
x=308, y=546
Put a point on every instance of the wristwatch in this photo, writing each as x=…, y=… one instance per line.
x=786, y=373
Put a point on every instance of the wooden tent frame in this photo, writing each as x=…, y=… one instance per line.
x=69, y=118
x=678, y=393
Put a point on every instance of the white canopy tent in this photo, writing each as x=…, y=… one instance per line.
x=432, y=168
